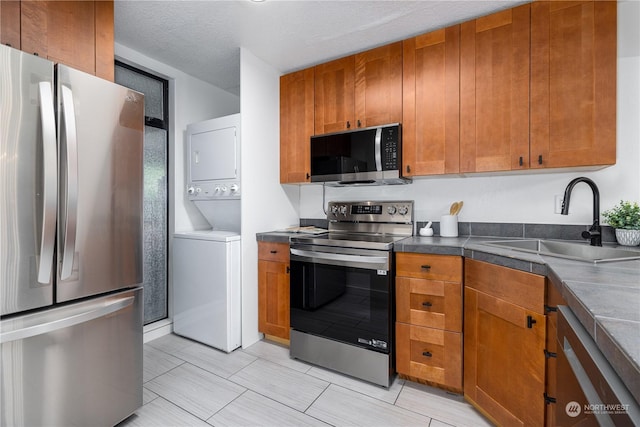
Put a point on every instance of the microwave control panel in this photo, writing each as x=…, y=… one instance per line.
x=390, y=154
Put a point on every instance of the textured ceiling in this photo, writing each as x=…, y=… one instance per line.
x=203, y=38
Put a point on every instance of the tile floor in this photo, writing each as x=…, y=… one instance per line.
x=190, y=384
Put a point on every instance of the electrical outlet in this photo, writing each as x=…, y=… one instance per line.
x=558, y=203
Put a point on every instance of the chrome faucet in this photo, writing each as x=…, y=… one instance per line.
x=595, y=232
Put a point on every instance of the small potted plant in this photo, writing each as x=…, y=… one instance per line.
x=625, y=218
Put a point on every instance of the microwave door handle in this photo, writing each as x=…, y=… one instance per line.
x=378, y=149
x=71, y=149
x=50, y=182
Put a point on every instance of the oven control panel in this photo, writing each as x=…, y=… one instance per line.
x=384, y=212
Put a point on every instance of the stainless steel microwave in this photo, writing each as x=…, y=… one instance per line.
x=367, y=156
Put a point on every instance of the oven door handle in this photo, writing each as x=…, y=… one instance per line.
x=366, y=259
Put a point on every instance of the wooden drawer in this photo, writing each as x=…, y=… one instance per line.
x=269, y=251
x=432, y=303
x=427, y=266
x=430, y=354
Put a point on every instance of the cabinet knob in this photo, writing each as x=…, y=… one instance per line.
x=273, y=252
x=520, y=162
x=427, y=304
x=348, y=125
x=425, y=267
x=308, y=176
x=427, y=354
x=359, y=124
x=408, y=169
x=540, y=159
x=288, y=269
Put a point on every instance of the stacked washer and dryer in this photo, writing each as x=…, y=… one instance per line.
x=207, y=263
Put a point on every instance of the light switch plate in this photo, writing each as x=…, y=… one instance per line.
x=558, y=203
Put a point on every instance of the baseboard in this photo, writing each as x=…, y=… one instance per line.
x=157, y=329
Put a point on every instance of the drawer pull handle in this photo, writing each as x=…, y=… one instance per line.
x=425, y=267
x=274, y=252
x=427, y=354
x=427, y=304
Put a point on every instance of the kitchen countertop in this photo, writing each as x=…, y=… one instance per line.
x=612, y=318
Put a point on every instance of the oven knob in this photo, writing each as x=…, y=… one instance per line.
x=391, y=210
x=334, y=209
x=343, y=210
x=402, y=210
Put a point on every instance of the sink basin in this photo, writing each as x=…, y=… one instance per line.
x=574, y=251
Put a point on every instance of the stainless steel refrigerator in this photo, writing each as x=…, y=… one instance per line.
x=70, y=245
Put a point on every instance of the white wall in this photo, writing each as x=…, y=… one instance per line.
x=528, y=197
x=266, y=205
x=190, y=100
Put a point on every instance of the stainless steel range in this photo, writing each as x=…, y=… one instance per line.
x=343, y=287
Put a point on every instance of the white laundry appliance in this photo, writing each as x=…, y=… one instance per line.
x=207, y=267
x=207, y=297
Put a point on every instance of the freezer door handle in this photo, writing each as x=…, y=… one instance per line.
x=50, y=182
x=71, y=198
x=94, y=312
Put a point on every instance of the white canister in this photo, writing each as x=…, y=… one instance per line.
x=449, y=226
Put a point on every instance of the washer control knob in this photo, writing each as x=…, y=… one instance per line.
x=216, y=190
x=191, y=190
x=198, y=190
x=234, y=188
x=391, y=210
x=223, y=189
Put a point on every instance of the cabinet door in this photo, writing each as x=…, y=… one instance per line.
x=10, y=23
x=494, y=92
x=573, y=83
x=76, y=33
x=334, y=95
x=504, y=362
x=431, y=109
x=273, y=298
x=273, y=289
x=296, y=125
x=378, y=86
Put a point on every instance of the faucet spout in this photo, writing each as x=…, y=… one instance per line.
x=595, y=232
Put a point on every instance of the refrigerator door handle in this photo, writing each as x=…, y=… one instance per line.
x=71, y=208
x=101, y=310
x=50, y=182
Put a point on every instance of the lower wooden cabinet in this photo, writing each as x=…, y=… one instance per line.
x=273, y=290
x=429, y=319
x=504, y=343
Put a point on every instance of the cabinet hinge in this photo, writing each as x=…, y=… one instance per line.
x=548, y=399
x=550, y=354
x=549, y=309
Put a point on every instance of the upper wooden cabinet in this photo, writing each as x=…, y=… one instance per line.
x=296, y=125
x=431, y=103
x=494, y=91
x=10, y=23
x=573, y=83
x=75, y=33
x=360, y=90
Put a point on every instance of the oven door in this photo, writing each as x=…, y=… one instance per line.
x=343, y=294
